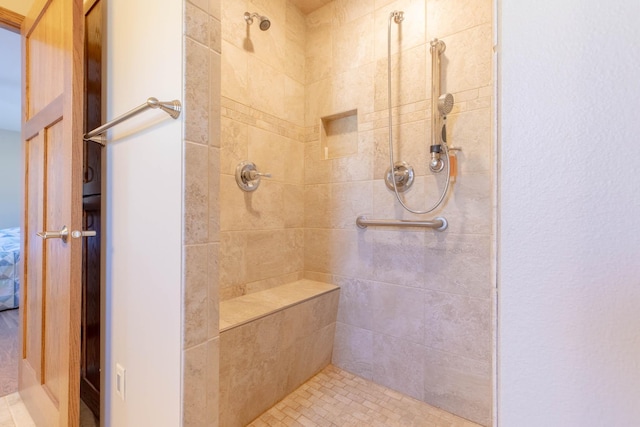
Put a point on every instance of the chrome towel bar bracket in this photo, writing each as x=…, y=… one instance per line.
x=172, y=108
x=439, y=223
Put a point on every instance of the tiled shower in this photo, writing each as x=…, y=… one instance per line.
x=416, y=307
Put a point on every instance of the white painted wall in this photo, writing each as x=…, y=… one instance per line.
x=10, y=179
x=569, y=213
x=144, y=214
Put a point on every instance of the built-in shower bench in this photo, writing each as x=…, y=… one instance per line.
x=238, y=311
x=271, y=342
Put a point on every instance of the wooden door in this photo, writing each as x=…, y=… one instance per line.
x=49, y=366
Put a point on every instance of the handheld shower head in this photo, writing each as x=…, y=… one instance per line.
x=265, y=23
x=445, y=103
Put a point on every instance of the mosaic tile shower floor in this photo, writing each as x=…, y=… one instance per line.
x=337, y=398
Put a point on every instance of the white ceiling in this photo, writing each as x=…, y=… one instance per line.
x=9, y=80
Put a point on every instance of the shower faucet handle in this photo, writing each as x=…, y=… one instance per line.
x=248, y=177
x=253, y=174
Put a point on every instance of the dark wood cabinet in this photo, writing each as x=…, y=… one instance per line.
x=91, y=204
x=90, y=356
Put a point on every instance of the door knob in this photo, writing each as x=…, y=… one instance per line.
x=62, y=234
x=76, y=234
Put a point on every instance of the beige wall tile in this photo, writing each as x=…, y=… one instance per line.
x=382, y=3
x=294, y=98
x=399, y=364
x=294, y=66
x=468, y=59
x=249, y=370
x=353, y=89
x=318, y=54
x=399, y=311
x=385, y=204
x=201, y=182
x=234, y=78
x=260, y=209
x=196, y=24
x=267, y=46
x=458, y=264
x=214, y=102
x=234, y=27
x=358, y=167
x=214, y=194
x=356, y=302
x=352, y=45
x=293, y=162
x=296, y=26
x=469, y=206
x=215, y=8
x=294, y=206
x=272, y=282
x=353, y=350
x=196, y=203
x=234, y=145
x=321, y=18
x=266, y=86
x=248, y=258
x=343, y=252
x=316, y=170
x=409, y=34
x=200, y=385
x=410, y=78
x=410, y=144
x=317, y=204
x=232, y=266
x=348, y=201
x=350, y=10
x=213, y=291
x=215, y=34
x=471, y=131
x=458, y=324
x=309, y=355
x=267, y=151
x=274, y=9
x=318, y=101
x=398, y=257
x=459, y=385
x=445, y=18
x=196, y=305
x=196, y=108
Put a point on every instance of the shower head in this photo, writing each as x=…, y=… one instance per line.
x=265, y=23
x=445, y=103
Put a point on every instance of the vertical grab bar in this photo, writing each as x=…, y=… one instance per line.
x=437, y=48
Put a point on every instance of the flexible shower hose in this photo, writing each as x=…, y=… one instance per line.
x=391, y=160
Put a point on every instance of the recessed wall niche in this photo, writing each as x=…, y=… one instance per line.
x=339, y=135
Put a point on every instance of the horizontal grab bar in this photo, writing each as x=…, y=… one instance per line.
x=439, y=223
x=172, y=108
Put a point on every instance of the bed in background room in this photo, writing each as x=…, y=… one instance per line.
x=9, y=273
